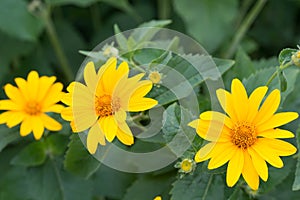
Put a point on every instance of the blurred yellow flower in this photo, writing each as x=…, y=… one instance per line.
x=247, y=137
x=29, y=102
x=157, y=198
x=101, y=104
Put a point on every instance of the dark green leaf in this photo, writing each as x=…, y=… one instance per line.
x=283, y=81
x=33, y=154
x=76, y=155
x=199, y=185
x=56, y=144
x=7, y=136
x=21, y=24
x=296, y=184
x=285, y=55
x=80, y=3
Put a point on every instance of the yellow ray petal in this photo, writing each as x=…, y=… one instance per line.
x=277, y=120
x=126, y=86
x=37, y=127
x=120, y=116
x=234, y=169
x=54, y=95
x=255, y=100
x=67, y=114
x=26, y=126
x=14, y=118
x=259, y=164
x=143, y=87
x=90, y=77
x=22, y=85
x=50, y=123
x=122, y=70
x=33, y=85
x=226, y=101
x=268, y=108
x=57, y=108
x=14, y=94
x=220, y=159
x=279, y=147
x=108, y=79
x=83, y=118
x=124, y=134
x=94, y=138
x=4, y=116
x=9, y=105
x=108, y=127
x=276, y=133
x=67, y=98
x=194, y=123
x=216, y=116
x=267, y=154
x=249, y=173
x=44, y=86
x=141, y=104
x=240, y=99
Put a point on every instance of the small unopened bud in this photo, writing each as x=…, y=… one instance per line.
x=155, y=77
x=296, y=58
x=110, y=51
x=186, y=166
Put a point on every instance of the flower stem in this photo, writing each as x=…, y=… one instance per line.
x=280, y=69
x=163, y=9
x=62, y=59
x=249, y=19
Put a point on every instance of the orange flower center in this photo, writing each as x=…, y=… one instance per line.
x=33, y=108
x=106, y=106
x=243, y=135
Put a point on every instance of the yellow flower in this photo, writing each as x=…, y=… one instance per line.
x=247, y=136
x=296, y=58
x=155, y=77
x=101, y=104
x=157, y=198
x=29, y=102
x=187, y=165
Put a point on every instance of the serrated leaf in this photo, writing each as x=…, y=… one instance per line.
x=148, y=187
x=33, y=154
x=199, y=185
x=78, y=154
x=285, y=55
x=7, y=136
x=296, y=184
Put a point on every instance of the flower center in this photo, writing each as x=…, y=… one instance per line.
x=187, y=165
x=243, y=135
x=155, y=77
x=33, y=108
x=106, y=106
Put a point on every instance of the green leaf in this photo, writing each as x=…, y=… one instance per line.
x=79, y=3
x=208, y=20
x=121, y=39
x=296, y=184
x=283, y=81
x=21, y=24
x=7, y=136
x=285, y=55
x=76, y=155
x=148, y=187
x=56, y=144
x=199, y=185
x=33, y=154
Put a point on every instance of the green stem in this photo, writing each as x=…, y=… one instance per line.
x=281, y=68
x=96, y=18
x=163, y=9
x=249, y=19
x=50, y=29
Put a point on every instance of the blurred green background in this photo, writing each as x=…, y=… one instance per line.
x=47, y=35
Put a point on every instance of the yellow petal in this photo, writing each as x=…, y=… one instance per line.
x=26, y=126
x=57, y=108
x=22, y=85
x=141, y=104
x=124, y=134
x=249, y=173
x=279, y=147
x=37, y=127
x=83, y=118
x=67, y=114
x=254, y=101
x=120, y=116
x=276, y=133
x=268, y=108
x=226, y=101
x=194, y=123
x=90, y=76
x=122, y=70
x=108, y=79
x=216, y=116
x=259, y=164
x=240, y=99
x=15, y=118
x=33, y=85
x=50, y=123
x=220, y=159
x=126, y=86
x=109, y=127
x=143, y=87
x=277, y=120
x=14, y=94
x=235, y=167
x=54, y=95
x=67, y=98
x=267, y=154
x=9, y=105
x=44, y=86
x=4, y=116
x=94, y=137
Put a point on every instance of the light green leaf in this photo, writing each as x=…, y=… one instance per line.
x=16, y=21
x=208, y=20
x=121, y=39
x=285, y=55
x=199, y=185
x=296, y=184
x=76, y=155
x=33, y=154
x=7, y=136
